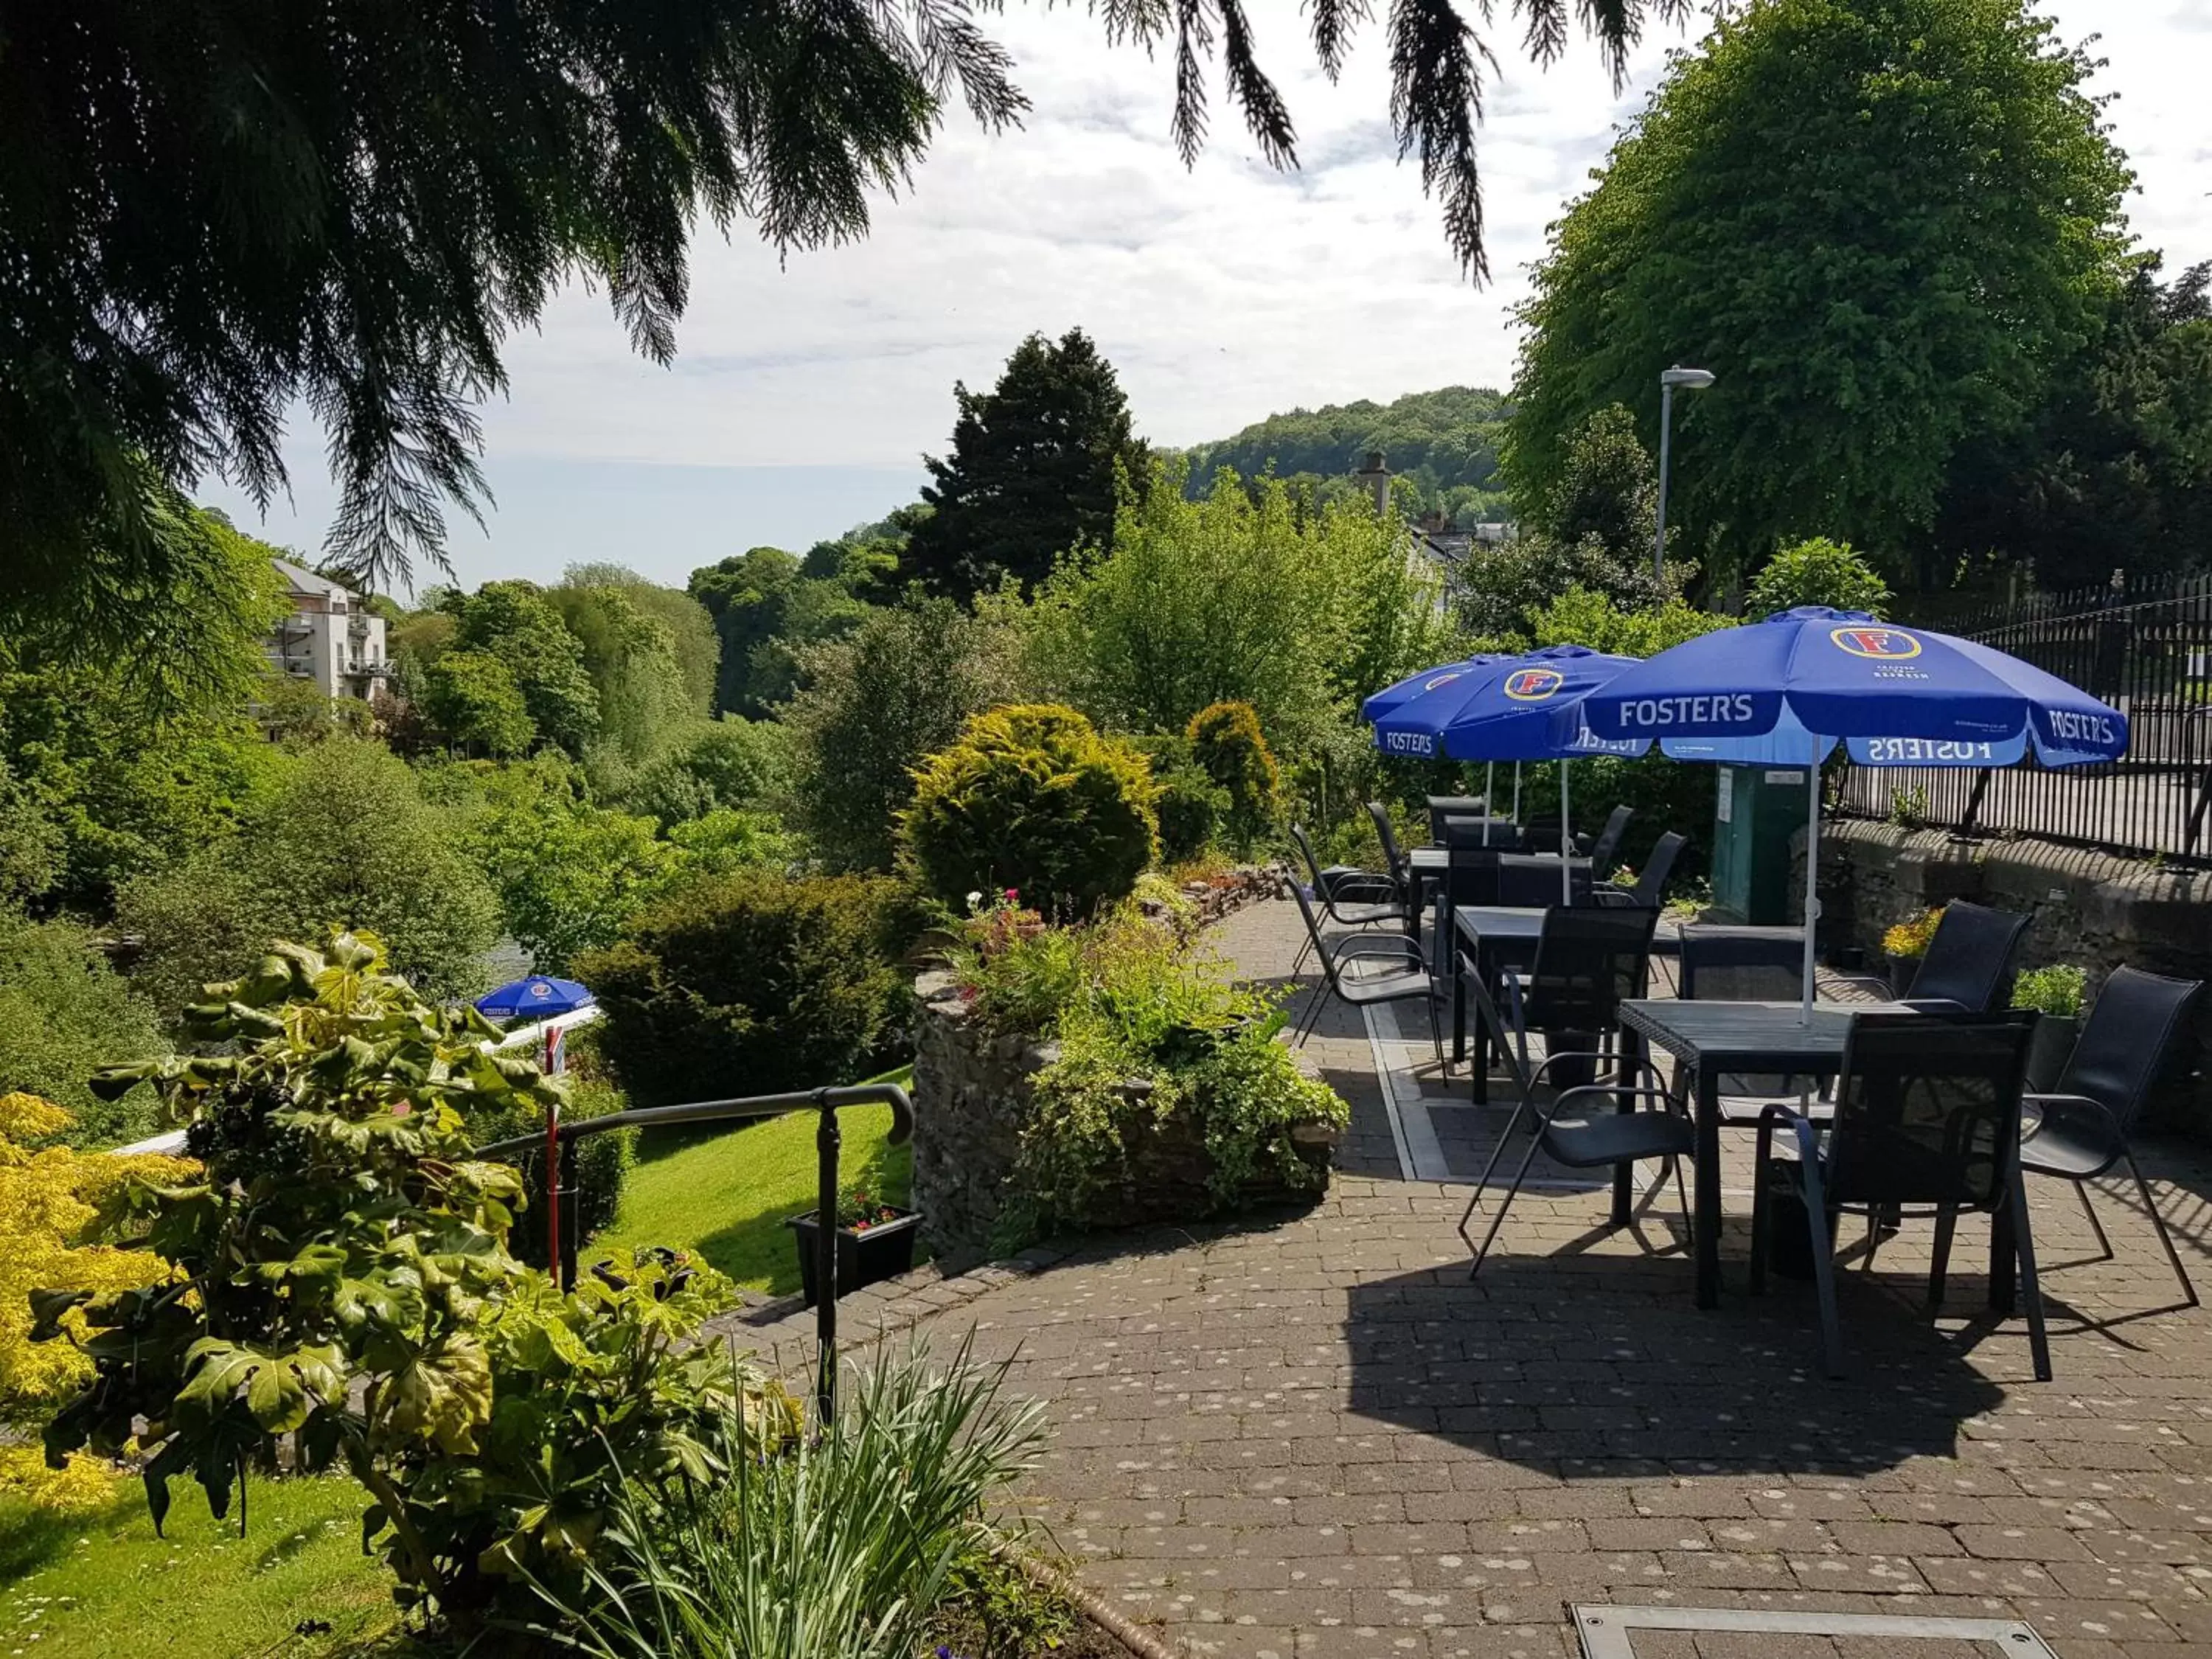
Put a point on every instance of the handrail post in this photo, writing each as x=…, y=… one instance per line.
x=571, y=1225
x=828, y=1141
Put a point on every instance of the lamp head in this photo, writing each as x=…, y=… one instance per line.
x=1692, y=379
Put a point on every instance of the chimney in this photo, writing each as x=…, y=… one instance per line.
x=1376, y=477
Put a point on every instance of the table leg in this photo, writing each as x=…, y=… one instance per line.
x=2004, y=1260
x=1479, y=1050
x=1628, y=1058
x=1459, y=1007
x=1706, y=1210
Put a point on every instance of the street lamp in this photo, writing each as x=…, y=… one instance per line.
x=1690, y=379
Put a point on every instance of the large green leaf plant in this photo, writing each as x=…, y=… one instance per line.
x=339, y=1279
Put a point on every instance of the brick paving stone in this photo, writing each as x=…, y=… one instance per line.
x=1309, y=1436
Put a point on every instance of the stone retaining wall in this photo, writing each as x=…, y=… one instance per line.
x=2087, y=908
x=972, y=1093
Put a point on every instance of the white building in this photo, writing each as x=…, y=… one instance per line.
x=330, y=637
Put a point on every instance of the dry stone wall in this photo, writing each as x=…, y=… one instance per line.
x=2087, y=908
x=972, y=1093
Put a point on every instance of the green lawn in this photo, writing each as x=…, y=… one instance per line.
x=725, y=1196
x=106, y=1586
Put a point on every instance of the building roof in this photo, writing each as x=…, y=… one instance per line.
x=306, y=581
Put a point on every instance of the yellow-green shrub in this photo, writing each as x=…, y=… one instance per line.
x=1033, y=799
x=49, y=1200
x=1226, y=739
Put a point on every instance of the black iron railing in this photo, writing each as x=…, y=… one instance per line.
x=2146, y=648
x=558, y=1145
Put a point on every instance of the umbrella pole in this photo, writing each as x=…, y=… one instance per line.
x=1812, y=877
x=1566, y=845
x=1516, y=792
x=1489, y=798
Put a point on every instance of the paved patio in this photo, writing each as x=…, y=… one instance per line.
x=1311, y=1434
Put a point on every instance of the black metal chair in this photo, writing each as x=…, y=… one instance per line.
x=1969, y=963
x=1410, y=980
x=1720, y=964
x=2080, y=1131
x=1486, y=833
x=1928, y=1112
x=1587, y=963
x=1400, y=866
x=1445, y=806
x=1607, y=844
x=1350, y=898
x=1651, y=890
x=1530, y=881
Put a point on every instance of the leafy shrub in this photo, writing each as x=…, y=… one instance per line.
x=752, y=984
x=49, y=1201
x=2057, y=990
x=341, y=1276
x=63, y=1012
x=1817, y=572
x=1130, y=1002
x=727, y=763
x=725, y=841
x=834, y=1547
x=873, y=705
x=346, y=839
x=1226, y=741
x=1191, y=807
x=1033, y=798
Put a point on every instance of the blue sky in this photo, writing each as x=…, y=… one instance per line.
x=806, y=392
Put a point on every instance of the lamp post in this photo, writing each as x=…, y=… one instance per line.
x=1690, y=379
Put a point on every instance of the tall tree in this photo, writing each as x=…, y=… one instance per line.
x=2115, y=472
x=1880, y=223
x=515, y=624
x=1031, y=474
x=218, y=212
x=749, y=596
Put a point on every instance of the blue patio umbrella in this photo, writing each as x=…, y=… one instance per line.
x=1514, y=708
x=1785, y=691
x=539, y=997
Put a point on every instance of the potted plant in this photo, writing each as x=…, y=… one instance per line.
x=1905, y=944
x=875, y=1241
x=2056, y=992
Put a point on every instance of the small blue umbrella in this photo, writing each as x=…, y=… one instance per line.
x=1516, y=708
x=1785, y=690
x=539, y=997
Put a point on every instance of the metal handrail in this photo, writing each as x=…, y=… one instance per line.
x=559, y=1142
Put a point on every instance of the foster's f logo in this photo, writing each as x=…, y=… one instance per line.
x=1889, y=643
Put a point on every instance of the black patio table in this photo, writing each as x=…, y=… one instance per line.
x=1715, y=1039
x=1500, y=937
x=1430, y=865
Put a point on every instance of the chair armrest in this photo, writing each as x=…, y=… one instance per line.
x=1376, y=945
x=1612, y=1091
x=2081, y=1109
x=1549, y=1060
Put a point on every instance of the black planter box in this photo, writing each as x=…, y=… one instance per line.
x=884, y=1251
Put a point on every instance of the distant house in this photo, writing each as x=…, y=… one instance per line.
x=329, y=638
x=1446, y=544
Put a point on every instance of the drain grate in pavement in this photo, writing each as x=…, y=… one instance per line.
x=1609, y=1632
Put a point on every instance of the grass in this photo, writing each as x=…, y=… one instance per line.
x=99, y=1586
x=725, y=1196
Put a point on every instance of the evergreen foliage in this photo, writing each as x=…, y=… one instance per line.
x=1226, y=741
x=751, y=984
x=1032, y=474
x=1032, y=800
